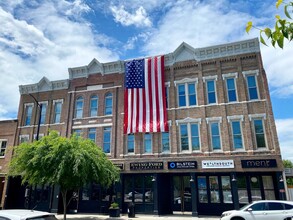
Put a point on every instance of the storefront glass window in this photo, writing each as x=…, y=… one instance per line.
x=202, y=189
x=242, y=190
x=268, y=186
x=255, y=188
x=137, y=195
x=226, y=187
x=127, y=189
x=148, y=192
x=214, y=189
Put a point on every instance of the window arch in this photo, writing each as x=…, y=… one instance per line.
x=93, y=106
x=79, y=107
x=108, y=103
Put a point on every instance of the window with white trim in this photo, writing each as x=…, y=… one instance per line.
x=130, y=143
x=78, y=132
x=40, y=136
x=236, y=134
x=211, y=92
x=92, y=134
x=23, y=138
x=165, y=139
x=28, y=114
x=215, y=132
x=189, y=136
x=3, y=145
x=231, y=90
x=43, y=113
x=94, y=106
x=259, y=132
x=147, y=143
x=167, y=95
x=108, y=103
x=79, y=107
x=57, y=111
x=251, y=82
x=187, y=94
x=107, y=139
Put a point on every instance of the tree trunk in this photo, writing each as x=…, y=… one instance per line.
x=64, y=193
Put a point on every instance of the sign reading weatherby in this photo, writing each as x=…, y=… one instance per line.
x=216, y=164
x=147, y=166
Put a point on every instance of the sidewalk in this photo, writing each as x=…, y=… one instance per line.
x=137, y=217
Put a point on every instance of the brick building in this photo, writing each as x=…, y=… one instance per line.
x=7, y=138
x=221, y=150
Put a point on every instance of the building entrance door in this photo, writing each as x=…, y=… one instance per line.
x=181, y=194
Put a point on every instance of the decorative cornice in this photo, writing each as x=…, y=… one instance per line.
x=44, y=85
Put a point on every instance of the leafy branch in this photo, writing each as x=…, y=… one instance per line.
x=283, y=27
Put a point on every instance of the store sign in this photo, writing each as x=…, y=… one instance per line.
x=258, y=163
x=119, y=165
x=182, y=165
x=147, y=166
x=217, y=164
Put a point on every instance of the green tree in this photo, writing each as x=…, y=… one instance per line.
x=283, y=26
x=288, y=164
x=70, y=163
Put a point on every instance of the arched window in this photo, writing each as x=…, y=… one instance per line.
x=108, y=104
x=94, y=106
x=79, y=107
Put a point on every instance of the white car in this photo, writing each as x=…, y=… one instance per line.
x=262, y=210
x=25, y=214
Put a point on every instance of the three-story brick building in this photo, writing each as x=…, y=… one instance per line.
x=221, y=150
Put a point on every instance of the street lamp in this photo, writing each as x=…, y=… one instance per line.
x=40, y=115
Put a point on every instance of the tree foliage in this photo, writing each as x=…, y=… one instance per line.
x=288, y=164
x=70, y=163
x=283, y=27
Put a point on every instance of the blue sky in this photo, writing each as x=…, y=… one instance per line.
x=46, y=37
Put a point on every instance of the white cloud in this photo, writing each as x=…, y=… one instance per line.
x=285, y=131
x=139, y=18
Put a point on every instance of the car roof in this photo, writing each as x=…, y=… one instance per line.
x=22, y=213
x=280, y=201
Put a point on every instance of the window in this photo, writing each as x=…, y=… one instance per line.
x=147, y=143
x=108, y=104
x=189, y=137
x=226, y=189
x=77, y=132
x=24, y=138
x=259, y=133
x=202, y=189
x=268, y=186
x=107, y=139
x=40, y=136
x=165, y=142
x=3, y=145
x=214, y=189
x=43, y=113
x=211, y=92
x=79, y=107
x=167, y=95
x=57, y=111
x=130, y=143
x=236, y=135
x=215, y=136
x=28, y=114
x=252, y=87
x=94, y=106
x=92, y=134
x=187, y=94
x=231, y=90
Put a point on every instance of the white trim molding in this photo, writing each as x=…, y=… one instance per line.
x=205, y=78
x=230, y=75
x=211, y=119
x=235, y=117
x=253, y=116
x=250, y=72
x=188, y=120
x=186, y=80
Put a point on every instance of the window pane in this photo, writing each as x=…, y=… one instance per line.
x=184, y=137
x=259, y=133
x=57, y=113
x=237, y=137
x=242, y=190
x=28, y=115
x=94, y=106
x=215, y=136
x=181, y=95
x=268, y=186
x=3, y=148
x=79, y=107
x=231, y=90
x=43, y=113
x=107, y=139
x=165, y=142
x=92, y=134
x=211, y=92
x=214, y=189
x=130, y=143
x=202, y=189
x=108, y=104
x=194, y=137
x=191, y=94
x=252, y=89
x=226, y=187
x=147, y=143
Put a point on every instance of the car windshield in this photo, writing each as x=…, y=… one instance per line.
x=44, y=217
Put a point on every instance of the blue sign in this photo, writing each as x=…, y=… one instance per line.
x=182, y=165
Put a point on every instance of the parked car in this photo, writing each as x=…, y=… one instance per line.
x=25, y=214
x=262, y=210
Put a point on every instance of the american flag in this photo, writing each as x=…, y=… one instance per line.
x=144, y=96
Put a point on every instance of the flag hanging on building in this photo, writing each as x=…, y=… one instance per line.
x=144, y=96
